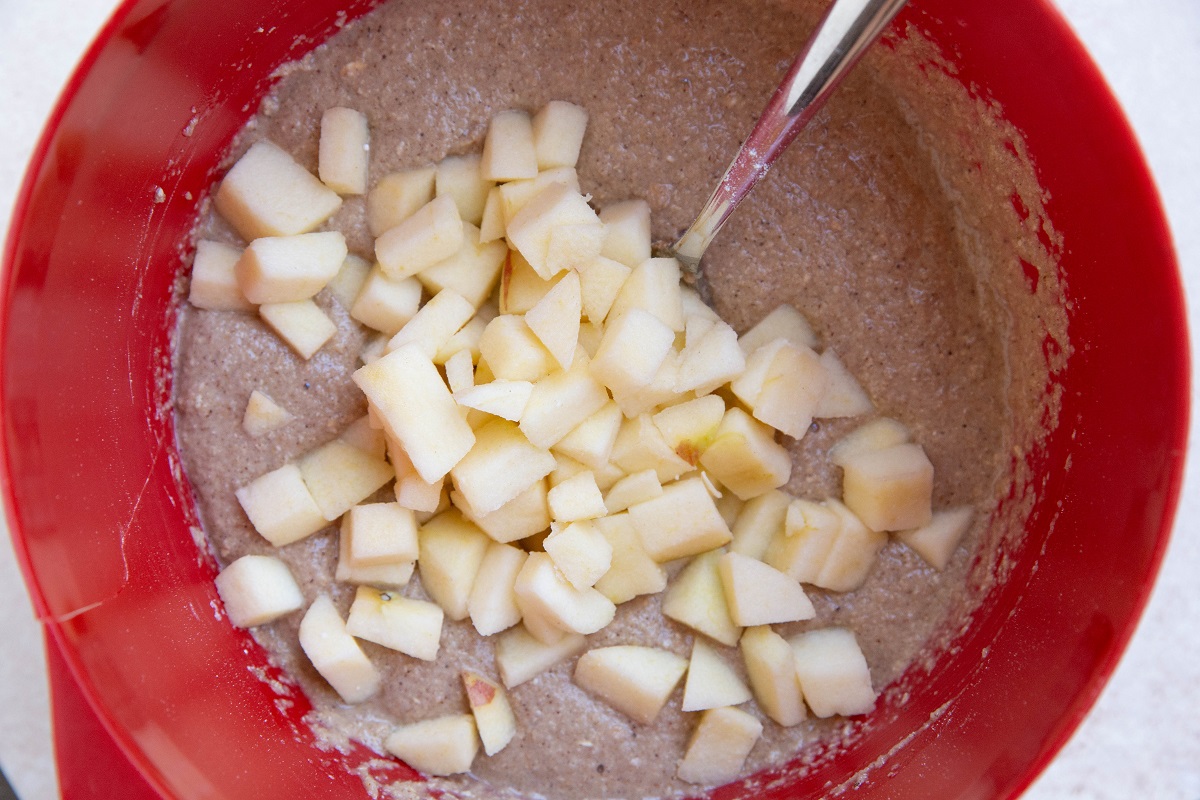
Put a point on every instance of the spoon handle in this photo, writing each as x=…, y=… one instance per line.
x=846, y=30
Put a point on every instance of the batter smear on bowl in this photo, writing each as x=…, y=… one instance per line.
x=486, y=282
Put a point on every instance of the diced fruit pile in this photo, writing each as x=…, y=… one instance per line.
x=560, y=418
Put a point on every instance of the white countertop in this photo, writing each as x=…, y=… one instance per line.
x=1143, y=737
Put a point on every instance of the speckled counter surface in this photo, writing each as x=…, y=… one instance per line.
x=1142, y=739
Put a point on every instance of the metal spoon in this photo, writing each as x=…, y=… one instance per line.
x=846, y=30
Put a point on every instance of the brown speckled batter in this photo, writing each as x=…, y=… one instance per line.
x=891, y=230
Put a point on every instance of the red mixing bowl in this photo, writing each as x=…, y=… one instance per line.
x=103, y=522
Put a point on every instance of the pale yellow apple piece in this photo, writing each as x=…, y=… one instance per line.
x=591, y=441
x=360, y=434
x=467, y=339
x=410, y=397
x=784, y=322
x=759, y=521
x=349, y=281
x=493, y=714
x=759, y=594
x=492, y=604
x=640, y=445
x=472, y=271
x=340, y=475
x=411, y=490
x=344, y=151
x=697, y=599
x=570, y=245
x=747, y=386
x=714, y=360
x=451, y=551
x=771, y=669
x=508, y=149
x=844, y=396
x=637, y=487
x=937, y=541
x=520, y=657
x=580, y=551
x=558, y=130
x=660, y=392
x=607, y=476
x=335, y=654
x=637, y=681
x=432, y=233
x=283, y=269
x=512, y=351
x=711, y=682
x=501, y=398
x=264, y=415
x=601, y=280
x=745, y=457
x=460, y=373
x=440, y=746
x=654, y=287
x=387, y=576
x=890, y=489
x=257, y=590
x=628, y=238
x=542, y=591
x=214, y=284
x=682, y=521
x=266, y=193
x=384, y=304
x=694, y=305
x=833, y=672
x=633, y=347
x=530, y=229
x=561, y=401
x=501, y=465
x=632, y=572
x=412, y=627
x=460, y=178
x=577, y=498
x=515, y=195
x=555, y=319
x=853, y=553
x=794, y=384
x=397, y=196
x=520, y=287
x=688, y=427
x=565, y=468
x=280, y=507
x=302, y=324
x=431, y=327
x=878, y=434
x=694, y=328
x=491, y=221
x=380, y=533
x=523, y=516
x=810, y=532
x=719, y=746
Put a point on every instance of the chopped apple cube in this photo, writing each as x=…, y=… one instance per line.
x=640, y=445
x=344, y=151
x=301, y=324
x=530, y=229
x=460, y=178
x=654, y=287
x=601, y=280
x=844, y=396
x=683, y=521
x=878, y=434
x=520, y=287
x=808, y=537
x=283, y=269
x=266, y=193
x=501, y=465
x=515, y=195
x=784, y=322
x=334, y=653
x=576, y=498
x=771, y=668
x=349, y=281
x=561, y=401
x=525, y=515
x=492, y=603
x=441, y=746
x=936, y=541
x=747, y=386
x=472, y=271
x=688, y=427
x=558, y=133
x=759, y=594
x=504, y=399
x=520, y=657
x=571, y=245
x=833, y=672
x=257, y=590
x=397, y=196
x=760, y=520
x=890, y=489
x=387, y=576
x=434, y=232
x=360, y=434
x=634, y=346
x=438, y=320
x=467, y=339
x=264, y=415
x=380, y=533
x=714, y=359
x=493, y=715
x=280, y=507
x=745, y=457
x=460, y=373
x=793, y=385
x=406, y=391
x=451, y=551
x=591, y=441
x=385, y=304
x=339, y=475
x=697, y=599
x=412, y=627
x=632, y=572
x=580, y=552
x=853, y=554
x=711, y=683
x=508, y=148
x=555, y=319
x=719, y=746
x=628, y=239
x=214, y=285
x=637, y=487
x=634, y=680
x=543, y=592
x=491, y=221
x=512, y=351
